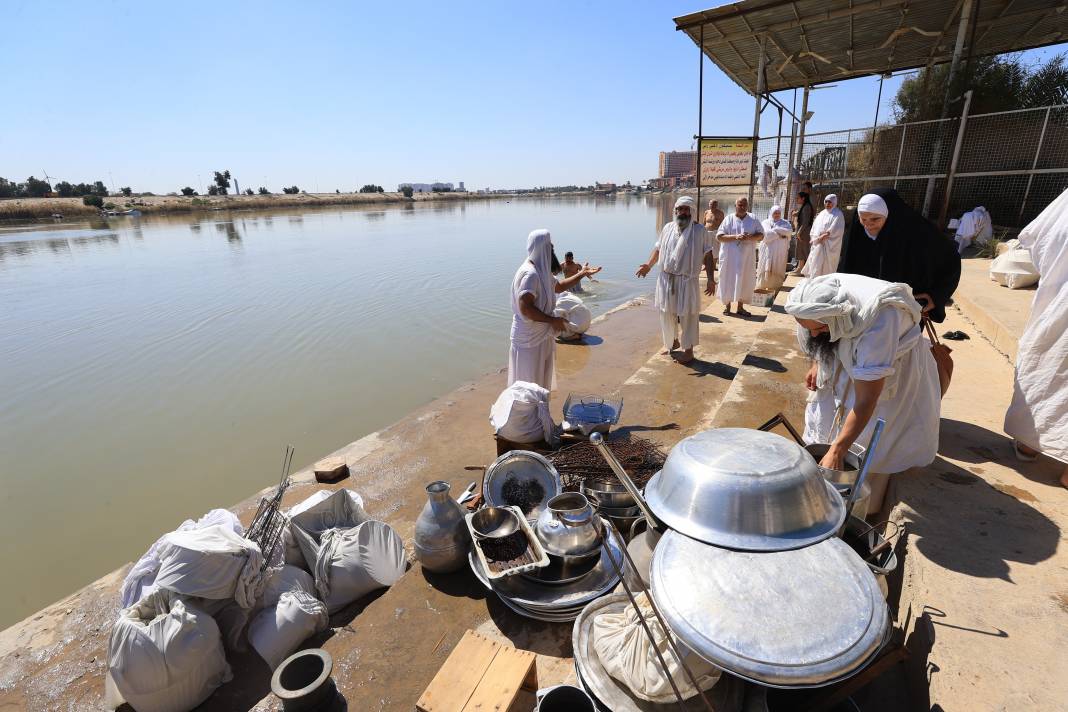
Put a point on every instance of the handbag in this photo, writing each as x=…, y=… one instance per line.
x=942, y=357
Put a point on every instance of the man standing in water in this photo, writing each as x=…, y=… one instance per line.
x=570, y=269
x=684, y=246
x=532, y=356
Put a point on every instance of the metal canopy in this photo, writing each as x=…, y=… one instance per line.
x=810, y=42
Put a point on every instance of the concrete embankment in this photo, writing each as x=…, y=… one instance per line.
x=979, y=589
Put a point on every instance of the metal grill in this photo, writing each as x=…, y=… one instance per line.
x=1013, y=162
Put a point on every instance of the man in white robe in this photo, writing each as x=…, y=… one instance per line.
x=825, y=240
x=532, y=355
x=1038, y=415
x=682, y=248
x=871, y=361
x=773, y=251
x=738, y=235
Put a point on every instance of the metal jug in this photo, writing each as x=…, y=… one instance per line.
x=441, y=536
x=568, y=526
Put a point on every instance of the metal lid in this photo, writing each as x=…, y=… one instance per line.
x=745, y=489
x=799, y=618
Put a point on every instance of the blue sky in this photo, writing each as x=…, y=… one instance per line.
x=332, y=95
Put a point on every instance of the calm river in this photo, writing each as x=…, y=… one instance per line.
x=154, y=368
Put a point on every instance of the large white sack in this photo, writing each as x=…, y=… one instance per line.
x=627, y=654
x=214, y=563
x=354, y=562
x=521, y=414
x=576, y=313
x=277, y=631
x=140, y=579
x=324, y=509
x=165, y=654
x=285, y=580
x=1014, y=269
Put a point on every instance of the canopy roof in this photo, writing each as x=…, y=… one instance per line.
x=816, y=41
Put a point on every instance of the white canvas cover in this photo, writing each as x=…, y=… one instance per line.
x=350, y=563
x=627, y=654
x=291, y=614
x=165, y=654
x=140, y=579
x=521, y=413
x=321, y=515
x=1014, y=268
x=576, y=313
x=213, y=563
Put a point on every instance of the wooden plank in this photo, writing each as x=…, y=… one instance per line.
x=460, y=675
x=511, y=670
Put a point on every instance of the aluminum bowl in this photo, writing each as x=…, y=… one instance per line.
x=745, y=489
x=613, y=495
x=494, y=522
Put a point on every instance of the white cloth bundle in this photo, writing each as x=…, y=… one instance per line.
x=1014, y=268
x=576, y=313
x=165, y=655
x=521, y=414
x=213, y=563
x=351, y=563
x=291, y=614
x=321, y=517
x=141, y=578
x=627, y=654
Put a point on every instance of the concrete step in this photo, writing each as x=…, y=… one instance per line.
x=998, y=313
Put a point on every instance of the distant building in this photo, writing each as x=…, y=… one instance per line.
x=606, y=186
x=461, y=189
x=676, y=164
x=426, y=187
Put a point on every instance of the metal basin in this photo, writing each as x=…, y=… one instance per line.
x=613, y=495
x=843, y=480
x=494, y=522
x=745, y=489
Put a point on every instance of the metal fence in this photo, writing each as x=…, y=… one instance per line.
x=1014, y=163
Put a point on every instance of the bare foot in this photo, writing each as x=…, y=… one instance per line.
x=1064, y=477
x=687, y=357
x=727, y=311
x=675, y=345
x=743, y=312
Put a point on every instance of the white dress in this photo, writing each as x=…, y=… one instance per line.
x=823, y=257
x=678, y=285
x=910, y=402
x=773, y=253
x=1038, y=415
x=737, y=260
x=532, y=356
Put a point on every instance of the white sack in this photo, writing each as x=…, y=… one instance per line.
x=277, y=631
x=351, y=563
x=286, y=579
x=577, y=314
x=521, y=414
x=140, y=580
x=211, y=563
x=1014, y=269
x=344, y=509
x=165, y=655
x=627, y=654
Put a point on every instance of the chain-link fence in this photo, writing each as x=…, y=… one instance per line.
x=1014, y=163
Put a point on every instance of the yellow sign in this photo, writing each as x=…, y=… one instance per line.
x=726, y=161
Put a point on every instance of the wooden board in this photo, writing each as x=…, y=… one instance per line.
x=480, y=675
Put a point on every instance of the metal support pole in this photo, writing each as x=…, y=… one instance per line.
x=900, y=153
x=953, y=161
x=958, y=48
x=756, y=113
x=790, y=171
x=1034, y=163
x=804, y=123
x=700, y=120
x=845, y=163
x=875, y=126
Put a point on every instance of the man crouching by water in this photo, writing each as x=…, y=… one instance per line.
x=532, y=356
x=684, y=246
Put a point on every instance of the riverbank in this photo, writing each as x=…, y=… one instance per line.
x=39, y=208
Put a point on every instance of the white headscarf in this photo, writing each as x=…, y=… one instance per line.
x=685, y=201
x=833, y=199
x=872, y=203
x=540, y=254
x=774, y=209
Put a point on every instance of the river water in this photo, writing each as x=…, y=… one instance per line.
x=154, y=368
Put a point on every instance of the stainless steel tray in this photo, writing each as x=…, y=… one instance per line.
x=540, y=557
x=799, y=618
x=523, y=465
x=726, y=695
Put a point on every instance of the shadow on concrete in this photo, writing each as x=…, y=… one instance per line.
x=552, y=639
x=971, y=443
x=586, y=340
x=768, y=364
x=705, y=368
x=643, y=428
x=963, y=524
x=709, y=319
x=460, y=583
x=778, y=308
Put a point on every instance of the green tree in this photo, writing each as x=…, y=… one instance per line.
x=222, y=182
x=215, y=190
x=292, y=190
x=249, y=191
x=407, y=191
x=94, y=200
x=36, y=188
x=264, y=191
x=371, y=188
x=65, y=189
x=8, y=189
x=100, y=189
x=187, y=191
x=126, y=191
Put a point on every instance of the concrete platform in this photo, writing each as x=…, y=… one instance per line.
x=998, y=313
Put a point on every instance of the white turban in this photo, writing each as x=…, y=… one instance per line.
x=833, y=200
x=774, y=209
x=686, y=201
x=872, y=203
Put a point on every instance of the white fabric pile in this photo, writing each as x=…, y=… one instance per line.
x=627, y=654
x=975, y=225
x=291, y=614
x=577, y=315
x=521, y=414
x=1014, y=268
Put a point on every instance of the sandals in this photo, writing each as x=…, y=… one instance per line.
x=955, y=336
x=1020, y=454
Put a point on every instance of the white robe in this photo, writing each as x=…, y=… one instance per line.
x=737, y=260
x=823, y=257
x=892, y=347
x=532, y=356
x=1038, y=415
x=773, y=252
x=678, y=286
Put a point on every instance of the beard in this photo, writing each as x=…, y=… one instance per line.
x=682, y=221
x=555, y=266
x=820, y=347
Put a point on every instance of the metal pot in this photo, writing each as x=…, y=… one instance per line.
x=303, y=682
x=564, y=698
x=608, y=494
x=568, y=527
x=843, y=480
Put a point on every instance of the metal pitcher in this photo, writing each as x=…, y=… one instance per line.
x=568, y=526
x=441, y=536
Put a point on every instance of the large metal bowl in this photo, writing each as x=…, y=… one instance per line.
x=745, y=489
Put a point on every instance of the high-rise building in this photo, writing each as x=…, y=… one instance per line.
x=676, y=164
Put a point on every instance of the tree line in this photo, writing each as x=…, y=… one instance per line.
x=36, y=188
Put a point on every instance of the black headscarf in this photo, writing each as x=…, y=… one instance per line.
x=908, y=249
